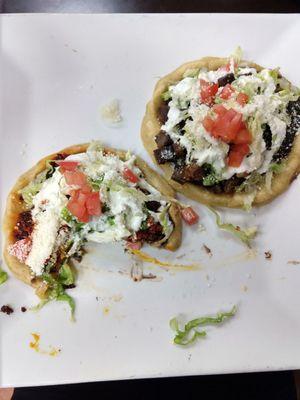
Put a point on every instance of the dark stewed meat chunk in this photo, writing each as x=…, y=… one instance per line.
x=267, y=136
x=165, y=154
x=162, y=139
x=226, y=79
x=162, y=113
x=153, y=205
x=188, y=173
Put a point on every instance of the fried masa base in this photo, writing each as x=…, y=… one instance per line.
x=151, y=126
x=15, y=205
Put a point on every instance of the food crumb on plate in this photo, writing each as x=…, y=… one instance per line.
x=294, y=262
x=201, y=228
x=23, y=309
x=268, y=255
x=207, y=250
x=106, y=310
x=111, y=112
x=6, y=309
x=244, y=288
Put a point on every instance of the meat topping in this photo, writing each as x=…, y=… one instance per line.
x=24, y=226
x=162, y=139
x=6, y=309
x=224, y=80
x=162, y=113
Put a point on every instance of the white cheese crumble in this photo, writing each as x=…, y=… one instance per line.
x=111, y=112
x=47, y=205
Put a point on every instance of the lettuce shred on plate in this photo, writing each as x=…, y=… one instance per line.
x=189, y=334
x=3, y=276
x=245, y=235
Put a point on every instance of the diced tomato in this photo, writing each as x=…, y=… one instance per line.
x=129, y=175
x=208, y=91
x=243, y=137
x=208, y=124
x=241, y=148
x=219, y=109
x=223, y=128
x=93, y=204
x=77, y=178
x=227, y=92
x=236, y=154
x=227, y=124
x=235, y=125
x=67, y=165
x=242, y=98
x=189, y=215
x=134, y=245
x=78, y=210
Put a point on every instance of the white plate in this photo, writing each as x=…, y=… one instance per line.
x=57, y=70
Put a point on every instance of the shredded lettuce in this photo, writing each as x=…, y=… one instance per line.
x=189, y=334
x=95, y=145
x=276, y=167
x=71, y=220
x=211, y=177
x=96, y=183
x=66, y=276
x=66, y=215
x=111, y=220
x=56, y=292
x=166, y=95
x=29, y=191
x=289, y=94
x=191, y=73
x=237, y=55
x=245, y=235
x=3, y=276
x=254, y=182
x=165, y=221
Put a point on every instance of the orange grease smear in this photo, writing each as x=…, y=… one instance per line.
x=35, y=345
x=152, y=260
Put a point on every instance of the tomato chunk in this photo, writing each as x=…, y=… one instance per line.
x=219, y=109
x=227, y=92
x=243, y=137
x=76, y=178
x=76, y=206
x=236, y=154
x=130, y=175
x=67, y=165
x=226, y=125
x=189, y=215
x=208, y=91
x=242, y=98
x=208, y=124
x=133, y=245
x=93, y=204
